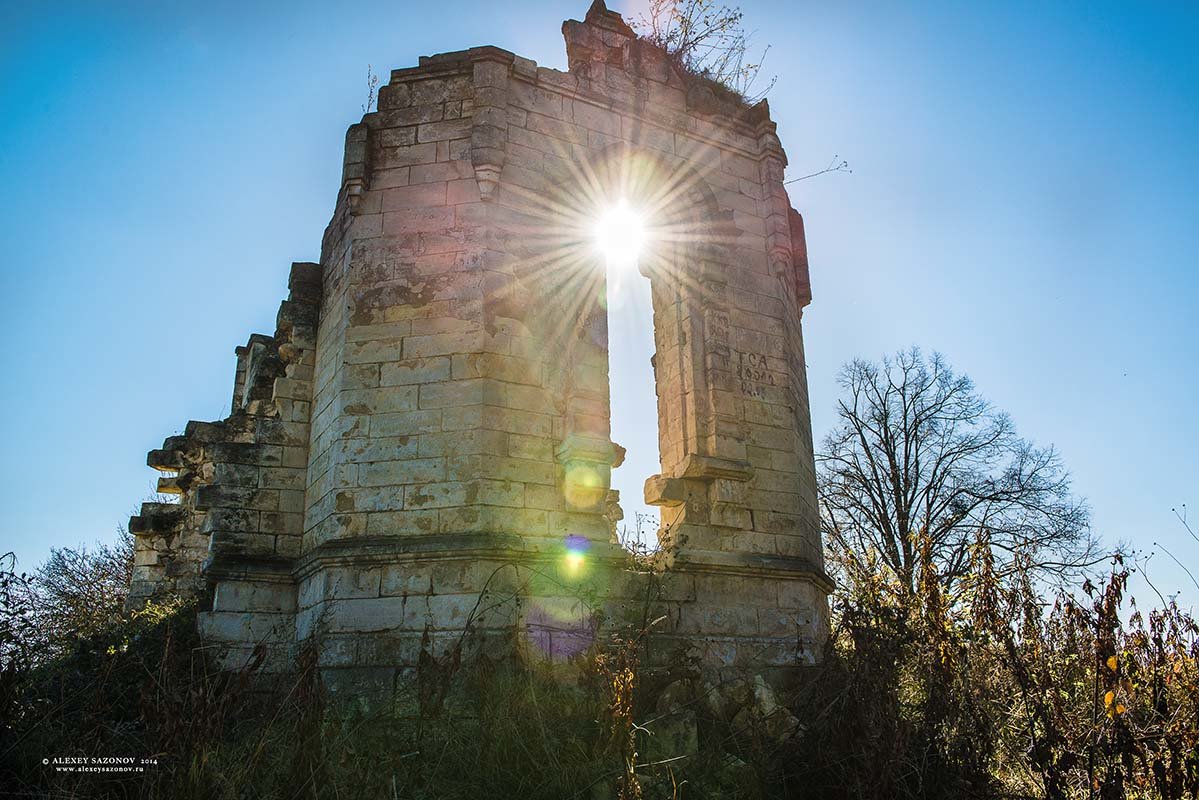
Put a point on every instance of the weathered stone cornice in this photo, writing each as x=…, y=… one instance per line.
x=480, y=545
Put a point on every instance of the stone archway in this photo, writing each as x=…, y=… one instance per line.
x=686, y=259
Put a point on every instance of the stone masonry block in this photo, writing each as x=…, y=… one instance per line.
x=416, y=196
x=402, y=473
x=384, y=400
x=242, y=596
x=402, y=523
x=416, y=370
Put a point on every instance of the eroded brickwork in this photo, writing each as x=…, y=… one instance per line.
x=423, y=447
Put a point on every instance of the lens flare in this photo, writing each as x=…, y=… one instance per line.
x=575, y=557
x=619, y=234
x=584, y=486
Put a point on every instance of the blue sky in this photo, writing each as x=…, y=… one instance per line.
x=1024, y=199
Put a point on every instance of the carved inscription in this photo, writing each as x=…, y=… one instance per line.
x=754, y=374
x=717, y=323
x=716, y=334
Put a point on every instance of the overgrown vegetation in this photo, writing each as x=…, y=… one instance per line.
x=707, y=38
x=974, y=653
x=964, y=661
x=1000, y=695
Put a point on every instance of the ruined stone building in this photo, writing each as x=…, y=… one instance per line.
x=422, y=448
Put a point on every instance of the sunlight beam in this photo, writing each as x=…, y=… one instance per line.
x=619, y=235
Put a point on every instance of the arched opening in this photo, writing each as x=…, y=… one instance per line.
x=632, y=385
x=606, y=318
x=654, y=340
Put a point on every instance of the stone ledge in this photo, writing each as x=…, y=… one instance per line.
x=586, y=448
x=660, y=490
x=711, y=468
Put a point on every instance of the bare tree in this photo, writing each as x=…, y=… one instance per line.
x=920, y=459
x=706, y=38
